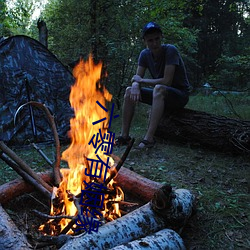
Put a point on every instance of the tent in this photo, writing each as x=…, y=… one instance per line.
x=30, y=72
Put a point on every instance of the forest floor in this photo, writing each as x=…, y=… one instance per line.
x=219, y=180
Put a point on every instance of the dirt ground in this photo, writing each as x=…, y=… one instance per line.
x=220, y=182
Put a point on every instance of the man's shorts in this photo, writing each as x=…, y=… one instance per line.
x=175, y=99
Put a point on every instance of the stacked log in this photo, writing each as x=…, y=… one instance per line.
x=10, y=237
x=167, y=209
x=163, y=239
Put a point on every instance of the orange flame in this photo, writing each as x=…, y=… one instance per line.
x=84, y=94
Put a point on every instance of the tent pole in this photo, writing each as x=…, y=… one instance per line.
x=33, y=125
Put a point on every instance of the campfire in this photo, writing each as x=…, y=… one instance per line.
x=87, y=196
x=87, y=190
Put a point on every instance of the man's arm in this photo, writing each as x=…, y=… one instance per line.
x=135, y=93
x=166, y=80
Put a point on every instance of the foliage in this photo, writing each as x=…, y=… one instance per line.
x=4, y=19
x=232, y=72
x=223, y=31
x=20, y=15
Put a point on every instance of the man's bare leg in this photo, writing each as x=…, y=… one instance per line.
x=156, y=112
x=128, y=110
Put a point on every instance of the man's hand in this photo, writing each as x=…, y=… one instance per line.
x=136, y=78
x=135, y=93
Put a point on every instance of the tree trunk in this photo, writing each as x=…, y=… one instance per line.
x=212, y=131
x=10, y=237
x=43, y=32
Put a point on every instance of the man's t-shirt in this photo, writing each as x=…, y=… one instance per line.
x=171, y=56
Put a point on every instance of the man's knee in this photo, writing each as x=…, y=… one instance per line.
x=127, y=92
x=159, y=91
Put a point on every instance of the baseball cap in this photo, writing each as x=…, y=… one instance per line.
x=150, y=26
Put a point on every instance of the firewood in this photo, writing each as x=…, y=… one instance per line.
x=120, y=163
x=26, y=176
x=137, y=185
x=150, y=218
x=161, y=240
x=138, y=223
x=10, y=237
x=208, y=130
x=131, y=182
x=18, y=187
x=175, y=206
x=13, y=156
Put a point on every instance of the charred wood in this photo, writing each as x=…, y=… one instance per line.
x=121, y=162
x=131, y=182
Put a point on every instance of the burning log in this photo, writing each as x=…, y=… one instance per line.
x=10, y=237
x=163, y=239
x=131, y=182
x=138, y=223
x=120, y=163
x=216, y=132
x=166, y=208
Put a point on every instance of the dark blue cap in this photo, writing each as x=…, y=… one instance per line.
x=150, y=26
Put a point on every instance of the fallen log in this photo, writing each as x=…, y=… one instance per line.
x=148, y=219
x=212, y=131
x=10, y=237
x=163, y=239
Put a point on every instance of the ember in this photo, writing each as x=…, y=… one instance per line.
x=86, y=195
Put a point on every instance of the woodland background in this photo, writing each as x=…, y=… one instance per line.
x=213, y=36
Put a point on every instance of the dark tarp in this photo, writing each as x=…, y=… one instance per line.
x=29, y=71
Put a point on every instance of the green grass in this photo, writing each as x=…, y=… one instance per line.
x=220, y=181
x=233, y=106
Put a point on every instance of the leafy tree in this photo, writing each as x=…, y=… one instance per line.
x=223, y=32
x=4, y=20
x=20, y=16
